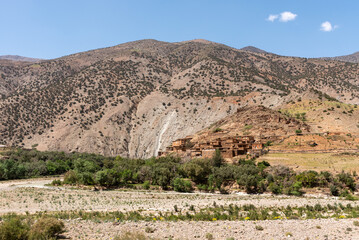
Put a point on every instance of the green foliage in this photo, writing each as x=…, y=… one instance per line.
x=169, y=171
x=308, y=179
x=56, y=182
x=347, y=179
x=146, y=185
x=181, y=185
x=21, y=163
x=46, y=228
x=15, y=227
x=198, y=170
x=334, y=190
x=295, y=189
x=217, y=130
x=217, y=158
x=275, y=188
x=71, y=177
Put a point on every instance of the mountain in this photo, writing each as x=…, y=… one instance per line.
x=354, y=58
x=19, y=58
x=253, y=49
x=135, y=98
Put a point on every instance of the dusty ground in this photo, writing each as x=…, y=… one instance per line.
x=273, y=229
x=31, y=196
x=30, y=199
x=332, y=162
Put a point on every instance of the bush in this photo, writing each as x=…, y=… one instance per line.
x=14, y=228
x=17, y=228
x=275, y=188
x=146, y=185
x=259, y=228
x=334, y=190
x=308, y=179
x=86, y=178
x=347, y=179
x=46, y=228
x=181, y=185
x=70, y=178
x=56, y=182
x=102, y=178
x=294, y=189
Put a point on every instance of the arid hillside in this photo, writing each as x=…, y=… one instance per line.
x=257, y=121
x=134, y=99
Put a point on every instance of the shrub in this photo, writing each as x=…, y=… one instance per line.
x=347, y=179
x=181, y=185
x=259, y=228
x=308, y=178
x=295, y=189
x=209, y=236
x=275, y=188
x=14, y=228
x=146, y=185
x=56, y=182
x=217, y=130
x=334, y=190
x=70, y=178
x=102, y=177
x=149, y=230
x=86, y=178
x=46, y=228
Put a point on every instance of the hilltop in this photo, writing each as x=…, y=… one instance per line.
x=18, y=58
x=135, y=98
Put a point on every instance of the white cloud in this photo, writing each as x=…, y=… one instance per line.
x=272, y=17
x=327, y=27
x=283, y=17
x=287, y=16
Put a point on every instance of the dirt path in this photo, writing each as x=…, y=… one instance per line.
x=35, y=183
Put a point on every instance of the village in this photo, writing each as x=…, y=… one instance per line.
x=230, y=147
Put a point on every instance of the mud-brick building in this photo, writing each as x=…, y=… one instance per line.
x=229, y=146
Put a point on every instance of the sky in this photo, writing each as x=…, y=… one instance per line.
x=305, y=28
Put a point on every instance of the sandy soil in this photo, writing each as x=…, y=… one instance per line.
x=20, y=200
x=272, y=229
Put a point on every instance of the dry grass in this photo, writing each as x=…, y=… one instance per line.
x=315, y=161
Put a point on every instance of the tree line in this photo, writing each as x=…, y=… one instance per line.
x=171, y=173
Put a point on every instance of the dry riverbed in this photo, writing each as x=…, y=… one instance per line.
x=238, y=230
x=34, y=196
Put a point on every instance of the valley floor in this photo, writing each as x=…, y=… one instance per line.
x=32, y=196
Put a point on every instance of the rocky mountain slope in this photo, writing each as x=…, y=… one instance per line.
x=135, y=98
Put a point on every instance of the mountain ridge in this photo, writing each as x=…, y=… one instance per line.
x=19, y=58
x=135, y=98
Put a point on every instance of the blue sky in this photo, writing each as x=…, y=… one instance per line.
x=50, y=29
